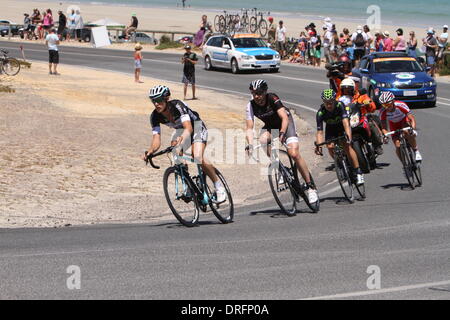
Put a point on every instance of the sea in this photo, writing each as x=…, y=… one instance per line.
x=414, y=13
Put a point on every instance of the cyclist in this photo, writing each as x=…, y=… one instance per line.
x=336, y=117
x=269, y=109
x=340, y=71
x=190, y=131
x=353, y=99
x=399, y=116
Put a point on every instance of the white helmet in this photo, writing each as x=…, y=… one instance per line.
x=386, y=97
x=347, y=82
x=159, y=91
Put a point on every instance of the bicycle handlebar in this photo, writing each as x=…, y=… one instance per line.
x=398, y=131
x=329, y=141
x=148, y=159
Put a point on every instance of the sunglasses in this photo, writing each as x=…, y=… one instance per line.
x=387, y=105
x=258, y=92
x=158, y=100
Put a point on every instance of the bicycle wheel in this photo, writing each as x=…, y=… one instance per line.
x=11, y=66
x=343, y=175
x=223, y=211
x=282, y=190
x=253, y=24
x=407, y=165
x=222, y=24
x=313, y=206
x=362, y=159
x=263, y=28
x=181, y=197
x=415, y=166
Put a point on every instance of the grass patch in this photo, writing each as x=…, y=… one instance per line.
x=25, y=64
x=445, y=69
x=168, y=45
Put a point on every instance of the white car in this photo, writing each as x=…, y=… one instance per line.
x=240, y=52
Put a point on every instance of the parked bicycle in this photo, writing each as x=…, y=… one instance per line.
x=284, y=181
x=9, y=66
x=344, y=171
x=258, y=23
x=187, y=195
x=410, y=166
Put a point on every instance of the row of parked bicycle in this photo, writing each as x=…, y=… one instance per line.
x=248, y=20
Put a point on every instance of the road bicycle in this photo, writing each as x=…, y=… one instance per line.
x=411, y=167
x=284, y=181
x=344, y=171
x=258, y=23
x=186, y=195
x=9, y=66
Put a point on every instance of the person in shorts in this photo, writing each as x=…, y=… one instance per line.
x=137, y=62
x=189, y=60
x=281, y=39
x=52, y=42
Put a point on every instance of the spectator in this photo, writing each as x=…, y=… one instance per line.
x=388, y=43
x=137, y=62
x=48, y=21
x=359, y=40
x=35, y=20
x=62, y=22
x=327, y=42
x=26, y=25
x=52, y=42
x=442, y=42
x=400, y=42
x=133, y=25
x=71, y=24
x=370, y=46
x=379, y=42
x=271, y=34
x=204, y=33
x=431, y=45
x=317, y=50
x=412, y=45
x=189, y=60
x=281, y=39
x=302, y=46
x=79, y=25
x=334, y=48
x=296, y=57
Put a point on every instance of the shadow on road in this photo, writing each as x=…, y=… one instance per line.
x=401, y=186
x=175, y=225
x=337, y=200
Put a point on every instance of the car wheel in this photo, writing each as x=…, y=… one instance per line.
x=234, y=66
x=208, y=65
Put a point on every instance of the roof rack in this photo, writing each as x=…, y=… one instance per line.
x=389, y=54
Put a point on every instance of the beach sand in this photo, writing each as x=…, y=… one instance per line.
x=175, y=19
x=71, y=148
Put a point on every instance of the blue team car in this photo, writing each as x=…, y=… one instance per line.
x=404, y=76
x=240, y=52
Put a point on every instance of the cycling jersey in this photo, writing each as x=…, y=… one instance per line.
x=180, y=113
x=333, y=119
x=398, y=118
x=269, y=115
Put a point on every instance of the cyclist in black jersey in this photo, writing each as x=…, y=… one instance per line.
x=190, y=131
x=336, y=117
x=276, y=117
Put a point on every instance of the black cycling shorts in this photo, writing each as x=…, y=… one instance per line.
x=291, y=131
x=334, y=131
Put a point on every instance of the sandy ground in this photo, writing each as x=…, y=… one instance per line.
x=71, y=147
x=175, y=19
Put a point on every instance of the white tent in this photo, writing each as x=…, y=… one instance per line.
x=106, y=22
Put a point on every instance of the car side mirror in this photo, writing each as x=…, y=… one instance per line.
x=226, y=46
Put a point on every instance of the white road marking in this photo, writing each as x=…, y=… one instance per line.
x=444, y=99
x=440, y=102
x=380, y=291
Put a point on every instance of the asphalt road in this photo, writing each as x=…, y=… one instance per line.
x=404, y=233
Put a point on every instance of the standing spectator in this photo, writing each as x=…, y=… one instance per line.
x=133, y=25
x=52, y=42
x=317, y=50
x=35, y=20
x=359, y=40
x=189, y=60
x=79, y=25
x=334, y=44
x=379, y=42
x=271, y=34
x=412, y=45
x=302, y=45
x=370, y=46
x=48, y=21
x=62, y=22
x=137, y=62
x=400, y=42
x=204, y=32
x=442, y=42
x=327, y=42
x=71, y=25
x=184, y=3
x=281, y=39
x=431, y=46
x=26, y=25
x=388, y=43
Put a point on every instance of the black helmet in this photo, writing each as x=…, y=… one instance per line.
x=258, y=85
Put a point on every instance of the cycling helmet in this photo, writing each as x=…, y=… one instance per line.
x=328, y=95
x=386, y=97
x=348, y=83
x=259, y=85
x=158, y=92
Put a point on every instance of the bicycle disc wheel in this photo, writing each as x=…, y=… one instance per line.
x=263, y=28
x=343, y=175
x=11, y=66
x=223, y=211
x=282, y=190
x=253, y=25
x=407, y=165
x=181, y=197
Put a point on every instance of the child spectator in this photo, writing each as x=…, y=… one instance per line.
x=137, y=62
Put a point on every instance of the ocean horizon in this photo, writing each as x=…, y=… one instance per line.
x=414, y=13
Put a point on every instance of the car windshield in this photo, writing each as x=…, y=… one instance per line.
x=249, y=43
x=398, y=66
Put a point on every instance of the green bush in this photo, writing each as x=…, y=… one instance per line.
x=168, y=45
x=445, y=69
x=165, y=39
